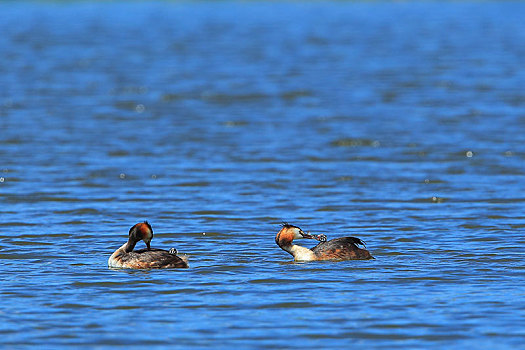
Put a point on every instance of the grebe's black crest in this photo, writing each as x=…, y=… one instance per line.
x=287, y=225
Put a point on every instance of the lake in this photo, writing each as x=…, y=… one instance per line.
x=401, y=123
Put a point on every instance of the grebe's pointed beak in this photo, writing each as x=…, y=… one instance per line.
x=320, y=238
x=307, y=235
x=147, y=245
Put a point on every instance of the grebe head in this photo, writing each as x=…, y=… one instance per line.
x=290, y=232
x=143, y=231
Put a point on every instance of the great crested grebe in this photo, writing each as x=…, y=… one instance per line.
x=148, y=258
x=344, y=248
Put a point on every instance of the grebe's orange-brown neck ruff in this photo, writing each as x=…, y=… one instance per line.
x=149, y=258
x=344, y=248
x=285, y=237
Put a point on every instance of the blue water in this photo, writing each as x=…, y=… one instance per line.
x=398, y=123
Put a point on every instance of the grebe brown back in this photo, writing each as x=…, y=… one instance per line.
x=344, y=248
x=126, y=257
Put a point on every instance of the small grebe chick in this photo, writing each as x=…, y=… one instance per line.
x=344, y=248
x=148, y=258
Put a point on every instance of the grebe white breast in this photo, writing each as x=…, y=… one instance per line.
x=344, y=248
x=149, y=258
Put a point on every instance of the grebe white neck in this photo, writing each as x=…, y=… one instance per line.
x=300, y=253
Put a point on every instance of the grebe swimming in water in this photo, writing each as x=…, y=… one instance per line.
x=148, y=258
x=344, y=248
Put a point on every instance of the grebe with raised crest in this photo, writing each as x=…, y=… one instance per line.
x=149, y=258
x=344, y=248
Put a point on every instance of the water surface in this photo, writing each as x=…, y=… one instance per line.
x=399, y=123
